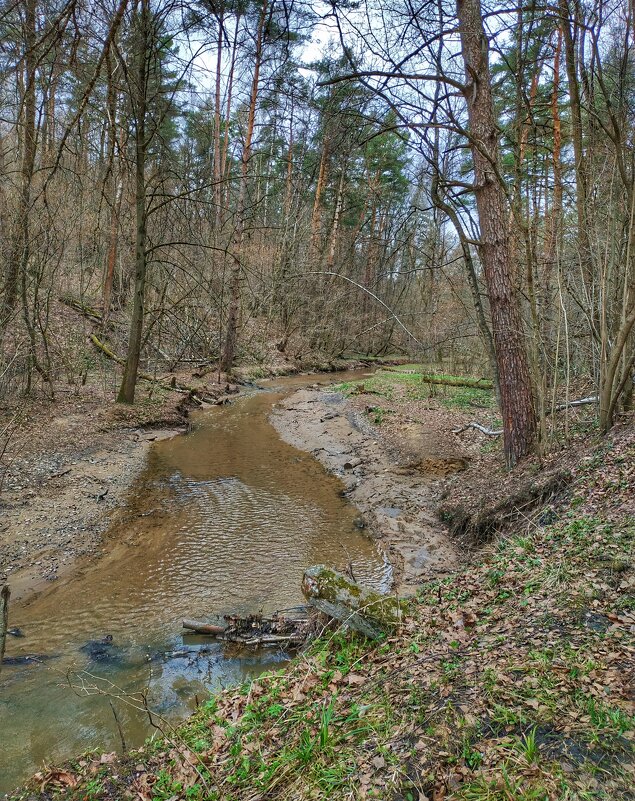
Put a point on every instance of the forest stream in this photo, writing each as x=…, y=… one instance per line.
x=223, y=519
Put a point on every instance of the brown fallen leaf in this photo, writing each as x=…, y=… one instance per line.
x=297, y=695
x=59, y=778
x=469, y=619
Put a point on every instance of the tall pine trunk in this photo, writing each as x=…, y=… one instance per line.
x=218, y=156
x=231, y=339
x=517, y=403
x=18, y=256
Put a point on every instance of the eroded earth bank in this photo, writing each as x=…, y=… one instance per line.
x=395, y=484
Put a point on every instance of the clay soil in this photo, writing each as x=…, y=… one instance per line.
x=393, y=482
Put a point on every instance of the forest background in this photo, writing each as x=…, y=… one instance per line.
x=221, y=181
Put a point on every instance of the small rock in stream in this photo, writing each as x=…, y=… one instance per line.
x=103, y=650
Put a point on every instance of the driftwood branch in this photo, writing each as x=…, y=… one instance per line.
x=580, y=402
x=492, y=433
x=203, y=628
x=254, y=630
x=5, y=594
x=487, y=431
x=274, y=639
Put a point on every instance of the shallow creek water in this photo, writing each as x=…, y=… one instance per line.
x=223, y=519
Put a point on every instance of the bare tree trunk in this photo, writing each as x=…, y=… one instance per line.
x=129, y=380
x=116, y=191
x=281, y=296
x=517, y=403
x=218, y=157
x=578, y=150
x=314, y=244
x=113, y=250
x=228, y=108
x=229, y=351
x=609, y=391
x=19, y=252
x=555, y=216
x=330, y=262
x=472, y=279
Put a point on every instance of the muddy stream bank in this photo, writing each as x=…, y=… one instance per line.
x=395, y=491
x=223, y=519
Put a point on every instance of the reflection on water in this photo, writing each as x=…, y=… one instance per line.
x=224, y=519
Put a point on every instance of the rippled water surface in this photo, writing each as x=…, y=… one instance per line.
x=224, y=519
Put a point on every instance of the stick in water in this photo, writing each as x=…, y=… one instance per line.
x=5, y=594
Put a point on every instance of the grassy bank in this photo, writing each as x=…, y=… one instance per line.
x=414, y=382
x=511, y=680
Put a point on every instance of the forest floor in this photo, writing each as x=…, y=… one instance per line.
x=511, y=678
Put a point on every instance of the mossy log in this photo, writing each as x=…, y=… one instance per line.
x=448, y=381
x=361, y=609
x=82, y=308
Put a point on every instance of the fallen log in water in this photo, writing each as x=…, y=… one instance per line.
x=254, y=630
x=328, y=592
x=361, y=609
x=5, y=594
x=203, y=628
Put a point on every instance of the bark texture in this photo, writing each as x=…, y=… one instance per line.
x=517, y=403
x=129, y=381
